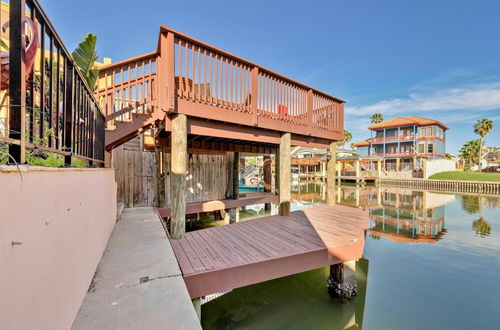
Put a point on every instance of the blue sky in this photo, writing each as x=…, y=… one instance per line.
x=438, y=59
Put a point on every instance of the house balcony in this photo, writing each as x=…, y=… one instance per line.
x=393, y=154
x=400, y=138
x=188, y=76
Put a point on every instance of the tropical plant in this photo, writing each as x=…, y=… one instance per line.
x=448, y=156
x=482, y=128
x=482, y=227
x=469, y=153
x=377, y=118
x=85, y=56
x=470, y=203
x=346, y=138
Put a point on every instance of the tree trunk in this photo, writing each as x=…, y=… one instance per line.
x=479, y=166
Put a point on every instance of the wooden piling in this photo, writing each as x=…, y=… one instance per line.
x=268, y=178
x=330, y=173
x=285, y=174
x=178, y=166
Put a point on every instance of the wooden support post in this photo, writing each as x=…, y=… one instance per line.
x=160, y=177
x=330, y=174
x=234, y=175
x=268, y=178
x=358, y=170
x=398, y=164
x=234, y=186
x=379, y=168
x=107, y=158
x=285, y=173
x=234, y=215
x=178, y=167
x=342, y=283
x=197, y=307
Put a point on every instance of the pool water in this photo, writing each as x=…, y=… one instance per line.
x=431, y=261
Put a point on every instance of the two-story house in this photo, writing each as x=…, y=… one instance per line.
x=405, y=141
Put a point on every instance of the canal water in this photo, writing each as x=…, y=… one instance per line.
x=431, y=261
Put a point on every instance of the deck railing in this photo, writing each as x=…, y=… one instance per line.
x=200, y=80
x=46, y=103
x=127, y=87
x=409, y=137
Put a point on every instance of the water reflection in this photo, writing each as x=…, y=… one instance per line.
x=399, y=214
x=459, y=270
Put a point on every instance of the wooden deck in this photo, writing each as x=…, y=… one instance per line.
x=231, y=256
x=210, y=206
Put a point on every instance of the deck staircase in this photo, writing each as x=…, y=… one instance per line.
x=127, y=93
x=123, y=130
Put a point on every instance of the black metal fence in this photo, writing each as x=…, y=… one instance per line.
x=46, y=103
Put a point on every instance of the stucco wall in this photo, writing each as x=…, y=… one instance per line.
x=433, y=166
x=62, y=219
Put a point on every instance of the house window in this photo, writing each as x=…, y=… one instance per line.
x=426, y=131
x=430, y=148
x=420, y=148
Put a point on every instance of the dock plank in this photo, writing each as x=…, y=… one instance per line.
x=230, y=256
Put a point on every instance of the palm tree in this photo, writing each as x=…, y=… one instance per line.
x=482, y=128
x=85, y=56
x=469, y=153
x=377, y=118
x=346, y=138
x=448, y=156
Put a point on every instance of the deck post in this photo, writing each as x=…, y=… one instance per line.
x=330, y=174
x=178, y=165
x=268, y=178
x=285, y=173
x=397, y=164
x=379, y=168
x=234, y=213
x=358, y=170
x=197, y=307
x=342, y=283
x=166, y=69
x=160, y=177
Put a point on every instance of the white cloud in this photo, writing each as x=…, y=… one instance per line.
x=475, y=97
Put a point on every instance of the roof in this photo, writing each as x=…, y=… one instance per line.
x=364, y=143
x=404, y=121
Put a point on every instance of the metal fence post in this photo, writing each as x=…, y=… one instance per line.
x=68, y=112
x=17, y=81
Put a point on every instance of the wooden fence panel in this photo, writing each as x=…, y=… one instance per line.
x=135, y=172
x=207, y=177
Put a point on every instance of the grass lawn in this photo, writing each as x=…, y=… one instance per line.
x=469, y=176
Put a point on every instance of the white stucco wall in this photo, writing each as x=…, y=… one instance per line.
x=433, y=166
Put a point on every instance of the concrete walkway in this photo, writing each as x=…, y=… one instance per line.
x=138, y=283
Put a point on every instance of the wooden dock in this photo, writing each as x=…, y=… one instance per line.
x=231, y=256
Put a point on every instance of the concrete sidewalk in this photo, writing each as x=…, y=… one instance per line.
x=138, y=283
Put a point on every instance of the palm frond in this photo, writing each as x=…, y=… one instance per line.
x=85, y=56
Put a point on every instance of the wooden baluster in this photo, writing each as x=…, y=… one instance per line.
x=255, y=95
x=310, y=100
x=205, y=82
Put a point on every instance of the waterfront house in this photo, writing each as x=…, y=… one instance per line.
x=403, y=142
